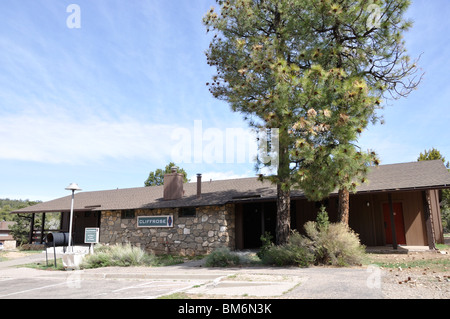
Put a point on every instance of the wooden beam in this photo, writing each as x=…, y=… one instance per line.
x=428, y=221
x=394, y=233
x=30, y=239
x=42, y=228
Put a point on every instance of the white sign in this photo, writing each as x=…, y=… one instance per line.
x=91, y=235
x=155, y=221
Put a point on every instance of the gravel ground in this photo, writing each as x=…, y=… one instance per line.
x=406, y=281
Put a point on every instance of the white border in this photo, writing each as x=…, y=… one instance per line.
x=154, y=226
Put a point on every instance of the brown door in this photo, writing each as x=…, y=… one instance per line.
x=399, y=224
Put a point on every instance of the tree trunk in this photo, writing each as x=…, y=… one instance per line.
x=283, y=215
x=344, y=205
x=283, y=190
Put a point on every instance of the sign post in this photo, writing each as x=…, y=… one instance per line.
x=91, y=236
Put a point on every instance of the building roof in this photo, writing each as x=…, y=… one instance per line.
x=393, y=177
x=4, y=225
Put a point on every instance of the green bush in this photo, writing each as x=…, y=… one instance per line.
x=222, y=257
x=267, y=243
x=336, y=245
x=294, y=253
x=325, y=243
x=117, y=255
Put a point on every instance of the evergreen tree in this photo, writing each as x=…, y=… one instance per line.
x=156, y=178
x=434, y=154
x=317, y=70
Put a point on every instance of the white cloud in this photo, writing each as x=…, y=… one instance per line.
x=218, y=176
x=60, y=139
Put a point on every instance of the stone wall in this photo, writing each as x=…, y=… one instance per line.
x=211, y=228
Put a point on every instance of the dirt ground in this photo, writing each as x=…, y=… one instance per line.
x=14, y=254
x=417, y=275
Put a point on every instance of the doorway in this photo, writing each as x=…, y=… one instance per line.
x=398, y=221
x=257, y=219
x=83, y=220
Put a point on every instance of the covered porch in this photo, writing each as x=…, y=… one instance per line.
x=81, y=220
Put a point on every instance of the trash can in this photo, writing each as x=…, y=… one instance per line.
x=57, y=239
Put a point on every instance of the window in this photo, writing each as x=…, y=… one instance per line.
x=187, y=212
x=127, y=214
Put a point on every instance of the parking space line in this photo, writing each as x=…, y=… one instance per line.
x=33, y=289
x=134, y=286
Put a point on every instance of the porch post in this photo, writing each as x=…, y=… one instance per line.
x=394, y=233
x=42, y=228
x=427, y=217
x=30, y=239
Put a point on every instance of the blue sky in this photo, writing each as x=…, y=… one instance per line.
x=105, y=104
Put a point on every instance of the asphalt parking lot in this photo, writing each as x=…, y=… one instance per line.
x=74, y=287
x=191, y=278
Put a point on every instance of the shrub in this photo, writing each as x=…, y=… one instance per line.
x=325, y=243
x=222, y=257
x=336, y=245
x=267, y=243
x=117, y=255
x=322, y=219
x=294, y=253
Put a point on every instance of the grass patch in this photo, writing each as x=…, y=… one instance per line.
x=434, y=261
x=43, y=266
x=222, y=257
x=439, y=264
x=442, y=247
x=177, y=295
x=126, y=256
x=167, y=260
x=116, y=255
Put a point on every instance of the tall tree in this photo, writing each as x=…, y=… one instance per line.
x=435, y=154
x=316, y=70
x=156, y=178
x=432, y=154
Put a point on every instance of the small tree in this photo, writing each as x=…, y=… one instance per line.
x=156, y=178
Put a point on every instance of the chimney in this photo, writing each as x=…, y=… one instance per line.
x=199, y=185
x=173, y=185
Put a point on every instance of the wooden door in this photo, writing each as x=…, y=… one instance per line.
x=399, y=224
x=83, y=220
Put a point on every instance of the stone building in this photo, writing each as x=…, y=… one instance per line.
x=398, y=205
x=6, y=239
x=209, y=228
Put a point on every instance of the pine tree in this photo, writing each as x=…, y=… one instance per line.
x=435, y=154
x=317, y=70
x=156, y=178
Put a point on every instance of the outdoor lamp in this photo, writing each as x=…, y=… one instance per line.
x=72, y=187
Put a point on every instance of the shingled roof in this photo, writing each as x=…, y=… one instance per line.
x=393, y=177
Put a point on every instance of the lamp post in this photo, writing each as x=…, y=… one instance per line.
x=72, y=187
